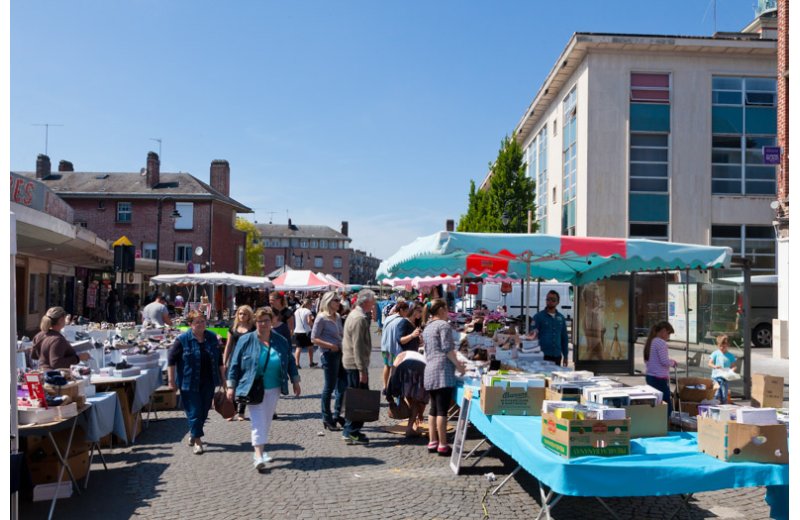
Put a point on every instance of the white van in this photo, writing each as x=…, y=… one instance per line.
x=492, y=297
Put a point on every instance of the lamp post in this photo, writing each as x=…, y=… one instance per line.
x=175, y=215
x=505, y=220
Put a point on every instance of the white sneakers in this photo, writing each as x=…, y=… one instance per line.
x=198, y=449
x=261, y=463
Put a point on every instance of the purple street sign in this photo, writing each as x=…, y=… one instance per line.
x=772, y=154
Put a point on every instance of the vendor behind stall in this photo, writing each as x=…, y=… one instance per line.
x=50, y=347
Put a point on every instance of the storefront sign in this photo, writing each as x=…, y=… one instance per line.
x=35, y=195
x=771, y=154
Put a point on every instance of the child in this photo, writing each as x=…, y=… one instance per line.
x=720, y=359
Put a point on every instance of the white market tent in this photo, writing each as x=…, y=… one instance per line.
x=236, y=280
x=302, y=280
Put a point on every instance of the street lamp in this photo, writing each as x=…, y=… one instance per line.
x=505, y=220
x=175, y=215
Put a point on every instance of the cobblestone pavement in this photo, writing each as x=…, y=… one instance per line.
x=315, y=475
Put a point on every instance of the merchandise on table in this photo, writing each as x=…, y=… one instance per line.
x=732, y=441
x=573, y=437
x=512, y=393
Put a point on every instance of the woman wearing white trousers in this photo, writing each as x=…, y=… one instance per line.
x=262, y=358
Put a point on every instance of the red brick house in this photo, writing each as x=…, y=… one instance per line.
x=115, y=204
x=314, y=248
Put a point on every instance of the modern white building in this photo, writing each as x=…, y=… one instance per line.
x=658, y=137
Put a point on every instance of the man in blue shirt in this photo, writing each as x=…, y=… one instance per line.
x=551, y=329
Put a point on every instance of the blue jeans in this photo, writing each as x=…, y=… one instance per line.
x=353, y=427
x=663, y=386
x=335, y=380
x=196, y=405
x=722, y=392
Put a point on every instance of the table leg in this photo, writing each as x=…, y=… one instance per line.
x=503, y=483
x=475, y=449
x=548, y=501
x=91, y=458
x=485, y=453
x=64, y=465
x=611, y=512
x=683, y=503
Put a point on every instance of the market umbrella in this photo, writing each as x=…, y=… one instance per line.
x=237, y=280
x=576, y=260
x=301, y=281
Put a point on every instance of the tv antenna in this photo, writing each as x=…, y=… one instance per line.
x=158, y=140
x=46, y=132
x=712, y=4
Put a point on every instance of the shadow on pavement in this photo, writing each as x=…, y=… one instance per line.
x=319, y=463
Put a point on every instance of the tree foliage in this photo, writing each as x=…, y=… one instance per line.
x=509, y=191
x=254, y=253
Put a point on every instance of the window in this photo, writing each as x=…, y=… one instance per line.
x=183, y=253
x=756, y=243
x=334, y=244
x=323, y=244
x=537, y=168
x=318, y=261
x=337, y=262
x=569, y=150
x=304, y=243
x=275, y=242
x=101, y=204
x=743, y=120
x=186, y=220
x=240, y=260
x=284, y=242
x=338, y=276
x=297, y=261
x=149, y=250
x=82, y=223
x=124, y=212
x=648, y=156
x=278, y=260
x=314, y=244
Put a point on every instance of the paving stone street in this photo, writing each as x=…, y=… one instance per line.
x=315, y=475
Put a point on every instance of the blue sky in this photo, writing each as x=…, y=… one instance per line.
x=374, y=112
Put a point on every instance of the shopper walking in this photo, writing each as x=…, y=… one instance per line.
x=303, y=322
x=50, y=347
x=657, y=361
x=242, y=324
x=283, y=316
x=194, y=366
x=356, y=351
x=327, y=335
x=261, y=367
x=440, y=374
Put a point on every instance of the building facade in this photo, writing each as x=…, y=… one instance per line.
x=363, y=268
x=658, y=137
x=166, y=216
x=314, y=248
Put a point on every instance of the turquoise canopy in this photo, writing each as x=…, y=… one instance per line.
x=577, y=260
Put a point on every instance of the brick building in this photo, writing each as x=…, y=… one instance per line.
x=139, y=204
x=363, y=267
x=315, y=248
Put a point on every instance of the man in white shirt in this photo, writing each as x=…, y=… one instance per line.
x=156, y=312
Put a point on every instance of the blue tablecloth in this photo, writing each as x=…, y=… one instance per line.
x=656, y=466
x=146, y=383
x=104, y=417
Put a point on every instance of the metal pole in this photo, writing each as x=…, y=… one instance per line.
x=158, y=236
x=747, y=332
x=687, y=324
x=527, y=297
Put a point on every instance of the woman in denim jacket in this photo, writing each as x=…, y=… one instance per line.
x=264, y=355
x=195, y=367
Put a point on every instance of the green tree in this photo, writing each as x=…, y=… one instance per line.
x=509, y=191
x=254, y=253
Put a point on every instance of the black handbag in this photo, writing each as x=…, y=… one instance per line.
x=256, y=393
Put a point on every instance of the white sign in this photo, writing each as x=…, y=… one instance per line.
x=461, y=432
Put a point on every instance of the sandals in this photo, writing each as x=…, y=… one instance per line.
x=433, y=446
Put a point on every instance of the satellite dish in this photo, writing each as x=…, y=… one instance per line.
x=198, y=250
x=774, y=204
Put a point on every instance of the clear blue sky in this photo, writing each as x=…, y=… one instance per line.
x=374, y=112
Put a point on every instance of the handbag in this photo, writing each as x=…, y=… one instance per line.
x=256, y=393
x=223, y=405
x=399, y=411
x=361, y=404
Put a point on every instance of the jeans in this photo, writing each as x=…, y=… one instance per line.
x=554, y=359
x=196, y=405
x=722, y=392
x=663, y=386
x=335, y=380
x=353, y=427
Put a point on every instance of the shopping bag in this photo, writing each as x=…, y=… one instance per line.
x=398, y=410
x=223, y=405
x=361, y=405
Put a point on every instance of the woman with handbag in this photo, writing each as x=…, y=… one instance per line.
x=194, y=365
x=243, y=324
x=327, y=335
x=260, y=369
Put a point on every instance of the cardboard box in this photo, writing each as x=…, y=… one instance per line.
x=511, y=401
x=46, y=471
x=689, y=407
x=588, y=437
x=44, y=492
x=648, y=421
x=734, y=442
x=552, y=395
x=767, y=391
x=695, y=395
x=37, y=446
x=165, y=399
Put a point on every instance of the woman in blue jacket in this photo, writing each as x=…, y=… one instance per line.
x=194, y=365
x=264, y=356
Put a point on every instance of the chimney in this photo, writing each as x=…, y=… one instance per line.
x=65, y=166
x=153, y=170
x=290, y=224
x=221, y=176
x=42, y=166
x=345, y=228
x=450, y=225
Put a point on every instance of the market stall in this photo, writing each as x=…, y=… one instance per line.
x=303, y=280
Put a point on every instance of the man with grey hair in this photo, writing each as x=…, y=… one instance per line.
x=356, y=351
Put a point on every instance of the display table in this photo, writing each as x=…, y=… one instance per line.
x=657, y=466
x=104, y=417
x=134, y=393
x=48, y=429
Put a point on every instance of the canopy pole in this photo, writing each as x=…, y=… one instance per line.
x=687, y=324
x=527, y=297
x=747, y=333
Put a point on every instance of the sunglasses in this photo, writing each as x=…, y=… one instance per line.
x=263, y=322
